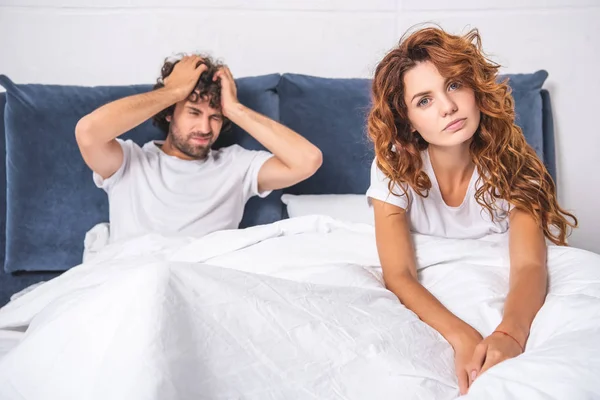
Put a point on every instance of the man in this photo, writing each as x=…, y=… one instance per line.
x=181, y=185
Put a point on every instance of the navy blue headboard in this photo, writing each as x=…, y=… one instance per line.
x=2, y=181
x=9, y=283
x=548, y=139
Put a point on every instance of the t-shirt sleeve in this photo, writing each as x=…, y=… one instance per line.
x=128, y=151
x=250, y=162
x=379, y=189
x=507, y=206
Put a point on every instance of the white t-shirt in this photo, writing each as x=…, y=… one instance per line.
x=432, y=216
x=156, y=192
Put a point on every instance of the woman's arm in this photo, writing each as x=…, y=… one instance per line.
x=528, y=275
x=397, y=256
x=527, y=292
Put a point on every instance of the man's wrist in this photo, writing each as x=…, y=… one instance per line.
x=174, y=95
x=233, y=110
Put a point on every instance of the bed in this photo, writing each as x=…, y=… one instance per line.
x=292, y=305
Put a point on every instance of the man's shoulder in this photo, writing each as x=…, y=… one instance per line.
x=129, y=143
x=133, y=151
x=239, y=157
x=231, y=152
x=231, y=149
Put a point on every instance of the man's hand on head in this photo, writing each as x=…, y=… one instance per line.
x=228, y=89
x=185, y=75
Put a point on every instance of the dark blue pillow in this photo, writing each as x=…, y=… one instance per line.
x=51, y=199
x=332, y=113
x=526, y=91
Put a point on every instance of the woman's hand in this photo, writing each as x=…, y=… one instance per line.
x=464, y=344
x=494, y=349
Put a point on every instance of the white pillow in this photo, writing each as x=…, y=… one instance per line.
x=344, y=207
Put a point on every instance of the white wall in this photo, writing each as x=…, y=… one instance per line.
x=124, y=41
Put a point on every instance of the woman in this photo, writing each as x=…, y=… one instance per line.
x=451, y=162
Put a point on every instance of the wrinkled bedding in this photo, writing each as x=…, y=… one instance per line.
x=292, y=310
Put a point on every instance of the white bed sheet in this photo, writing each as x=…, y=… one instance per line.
x=8, y=340
x=294, y=310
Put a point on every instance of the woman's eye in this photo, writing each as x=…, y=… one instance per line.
x=423, y=102
x=454, y=86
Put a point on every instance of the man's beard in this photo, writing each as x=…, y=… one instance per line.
x=184, y=145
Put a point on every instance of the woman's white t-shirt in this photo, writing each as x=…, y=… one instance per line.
x=432, y=216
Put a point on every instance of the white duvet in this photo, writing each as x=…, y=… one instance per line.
x=292, y=310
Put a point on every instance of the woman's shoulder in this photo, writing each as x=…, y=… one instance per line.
x=382, y=188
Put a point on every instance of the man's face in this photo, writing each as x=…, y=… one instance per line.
x=194, y=128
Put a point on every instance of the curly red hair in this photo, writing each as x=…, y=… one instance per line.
x=509, y=168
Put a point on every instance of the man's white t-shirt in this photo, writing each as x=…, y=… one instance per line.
x=432, y=216
x=155, y=192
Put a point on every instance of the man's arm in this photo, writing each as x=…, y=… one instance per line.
x=296, y=159
x=96, y=133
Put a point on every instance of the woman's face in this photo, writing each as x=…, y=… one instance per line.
x=443, y=111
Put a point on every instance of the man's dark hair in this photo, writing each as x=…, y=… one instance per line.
x=205, y=88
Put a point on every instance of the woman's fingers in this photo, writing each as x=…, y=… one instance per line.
x=463, y=381
x=477, y=361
